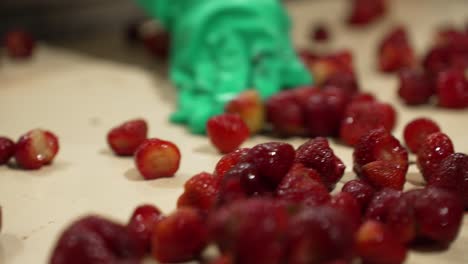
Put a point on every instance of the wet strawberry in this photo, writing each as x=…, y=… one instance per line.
x=156, y=158
x=376, y=244
x=393, y=209
x=251, y=231
x=142, y=223
x=317, y=154
x=227, y=132
x=438, y=215
x=415, y=87
x=313, y=236
x=36, y=148
x=200, y=192
x=433, y=150
x=361, y=190
x=380, y=145
x=125, y=138
x=360, y=118
x=302, y=186
x=383, y=173
x=273, y=160
x=249, y=106
x=7, y=150
x=417, y=130
x=452, y=175
x=180, y=237
x=228, y=161
x=96, y=240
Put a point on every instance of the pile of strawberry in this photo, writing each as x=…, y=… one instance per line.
x=272, y=204
x=441, y=71
x=332, y=108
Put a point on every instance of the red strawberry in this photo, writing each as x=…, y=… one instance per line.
x=452, y=175
x=249, y=106
x=395, y=51
x=383, y=173
x=302, y=185
x=200, y=192
x=228, y=161
x=125, y=138
x=364, y=12
x=96, y=240
x=19, y=44
x=361, y=117
x=349, y=206
x=156, y=158
x=285, y=114
x=36, y=148
x=180, y=237
x=376, y=244
x=379, y=145
x=317, y=154
x=415, y=87
x=433, y=150
x=361, y=190
x=227, y=132
x=452, y=89
x=416, y=132
x=142, y=223
x=7, y=150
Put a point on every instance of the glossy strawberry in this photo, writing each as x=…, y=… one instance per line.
x=7, y=150
x=272, y=159
x=180, y=237
x=376, y=244
x=393, y=209
x=249, y=106
x=302, y=186
x=417, y=130
x=227, y=132
x=228, y=161
x=452, y=175
x=324, y=112
x=383, y=173
x=36, y=148
x=125, y=138
x=379, y=145
x=361, y=117
x=96, y=240
x=438, y=215
x=156, y=158
x=433, y=150
x=317, y=154
x=142, y=223
x=200, y=192
x=361, y=190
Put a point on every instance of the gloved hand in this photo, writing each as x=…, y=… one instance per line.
x=221, y=48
